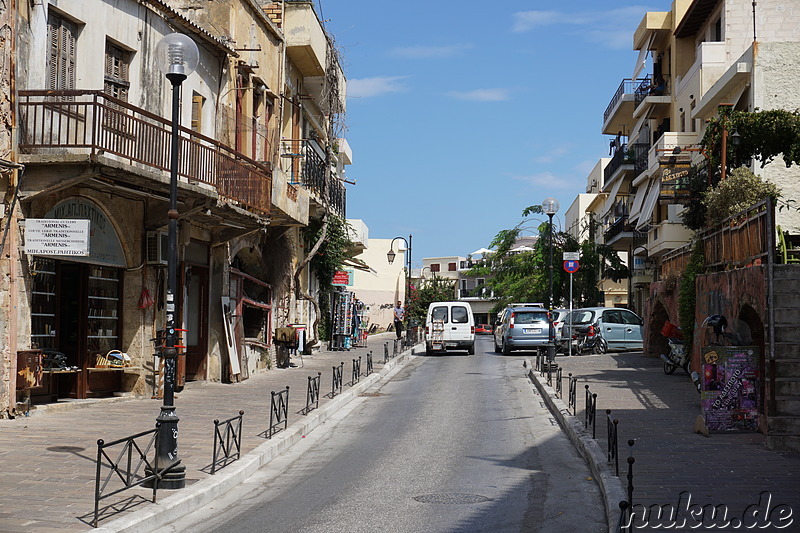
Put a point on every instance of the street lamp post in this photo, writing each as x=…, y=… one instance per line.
x=390, y=255
x=177, y=57
x=550, y=208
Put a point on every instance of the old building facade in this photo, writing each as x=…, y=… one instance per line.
x=86, y=129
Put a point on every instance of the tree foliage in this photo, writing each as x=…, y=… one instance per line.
x=525, y=276
x=334, y=249
x=739, y=191
x=764, y=135
x=436, y=289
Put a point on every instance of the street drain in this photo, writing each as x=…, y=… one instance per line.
x=370, y=394
x=452, y=498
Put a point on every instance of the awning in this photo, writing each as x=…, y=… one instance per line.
x=646, y=213
x=641, y=61
x=612, y=197
x=358, y=264
x=638, y=200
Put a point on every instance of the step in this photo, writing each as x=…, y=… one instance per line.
x=784, y=425
x=785, y=443
x=787, y=333
x=787, y=387
x=787, y=406
x=788, y=316
x=784, y=273
x=787, y=368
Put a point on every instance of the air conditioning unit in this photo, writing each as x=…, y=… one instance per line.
x=157, y=247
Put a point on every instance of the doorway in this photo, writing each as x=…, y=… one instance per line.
x=196, y=322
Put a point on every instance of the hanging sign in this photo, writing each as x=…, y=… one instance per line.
x=343, y=278
x=571, y=256
x=572, y=266
x=54, y=236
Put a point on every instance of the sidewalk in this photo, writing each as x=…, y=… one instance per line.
x=48, y=460
x=658, y=412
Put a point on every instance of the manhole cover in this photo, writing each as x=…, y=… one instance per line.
x=452, y=498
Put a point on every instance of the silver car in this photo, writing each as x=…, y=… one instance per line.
x=608, y=328
x=521, y=328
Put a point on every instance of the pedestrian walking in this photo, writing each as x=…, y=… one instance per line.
x=399, y=315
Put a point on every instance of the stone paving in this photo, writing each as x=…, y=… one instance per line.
x=658, y=412
x=48, y=459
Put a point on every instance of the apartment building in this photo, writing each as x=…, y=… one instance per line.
x=693, y=58
x=86, y=137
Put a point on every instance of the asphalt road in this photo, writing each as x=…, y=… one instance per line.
x=450, y=443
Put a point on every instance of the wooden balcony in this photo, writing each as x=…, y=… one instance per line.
x=67, y=123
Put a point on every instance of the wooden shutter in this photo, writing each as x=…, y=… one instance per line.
x=61, y=56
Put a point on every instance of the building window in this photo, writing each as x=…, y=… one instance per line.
x=197, y=112
x=434, y=267
x=115, y=82
x=716, y=30
x=62, y=35
x=451, y=267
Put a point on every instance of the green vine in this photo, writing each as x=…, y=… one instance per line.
x=687, y=295
x=762, y=134
x=329, y=258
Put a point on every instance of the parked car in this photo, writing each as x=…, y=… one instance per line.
x=483, y=329
x=558, y=316
x=521, y=328
x=617, y=329
x=448, y=326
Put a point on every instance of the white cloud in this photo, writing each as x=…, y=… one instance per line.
x=552, y=154
x=481, y=95
x=377, y=86
x=612, y=28
x=429, y=52
x=544, y=179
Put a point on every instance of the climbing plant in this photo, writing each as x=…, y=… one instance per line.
x=687, y=297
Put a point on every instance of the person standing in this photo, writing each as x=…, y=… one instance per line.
x=399, y=315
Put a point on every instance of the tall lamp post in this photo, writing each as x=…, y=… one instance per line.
x=550, y=208
x=390, y=255
x=177, y=57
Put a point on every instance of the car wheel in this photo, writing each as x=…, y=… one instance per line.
x=600, y=346
x=506, y=348
x=471, y=349
x=428, y=349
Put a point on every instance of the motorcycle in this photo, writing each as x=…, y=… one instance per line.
x=677, y=357
x=590, y=341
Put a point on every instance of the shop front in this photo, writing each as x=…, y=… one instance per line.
x=76, y=310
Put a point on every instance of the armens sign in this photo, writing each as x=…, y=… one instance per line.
x=57, y=236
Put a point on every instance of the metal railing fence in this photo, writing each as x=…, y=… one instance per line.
x=227, y=442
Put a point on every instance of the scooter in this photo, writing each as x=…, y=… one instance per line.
x=678, y=357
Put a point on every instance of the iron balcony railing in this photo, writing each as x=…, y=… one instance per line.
x=308, y=169
x=621, y=225
x=626, y=87
x=91, y=122
x=651, y=87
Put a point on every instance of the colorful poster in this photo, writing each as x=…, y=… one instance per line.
x=729, y=392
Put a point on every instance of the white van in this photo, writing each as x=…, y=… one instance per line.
x=449, y=326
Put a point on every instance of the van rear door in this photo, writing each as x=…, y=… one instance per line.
x=460, y=327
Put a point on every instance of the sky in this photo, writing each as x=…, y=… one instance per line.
x=462, y=113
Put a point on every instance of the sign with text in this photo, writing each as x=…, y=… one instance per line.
x=730, y=387
x=343, y=278
x=571, y=256
x=57, y=236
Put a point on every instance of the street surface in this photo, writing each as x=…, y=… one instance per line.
x=449, y=443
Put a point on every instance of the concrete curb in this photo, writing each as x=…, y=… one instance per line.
x=611, y=486
x=188, y=500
